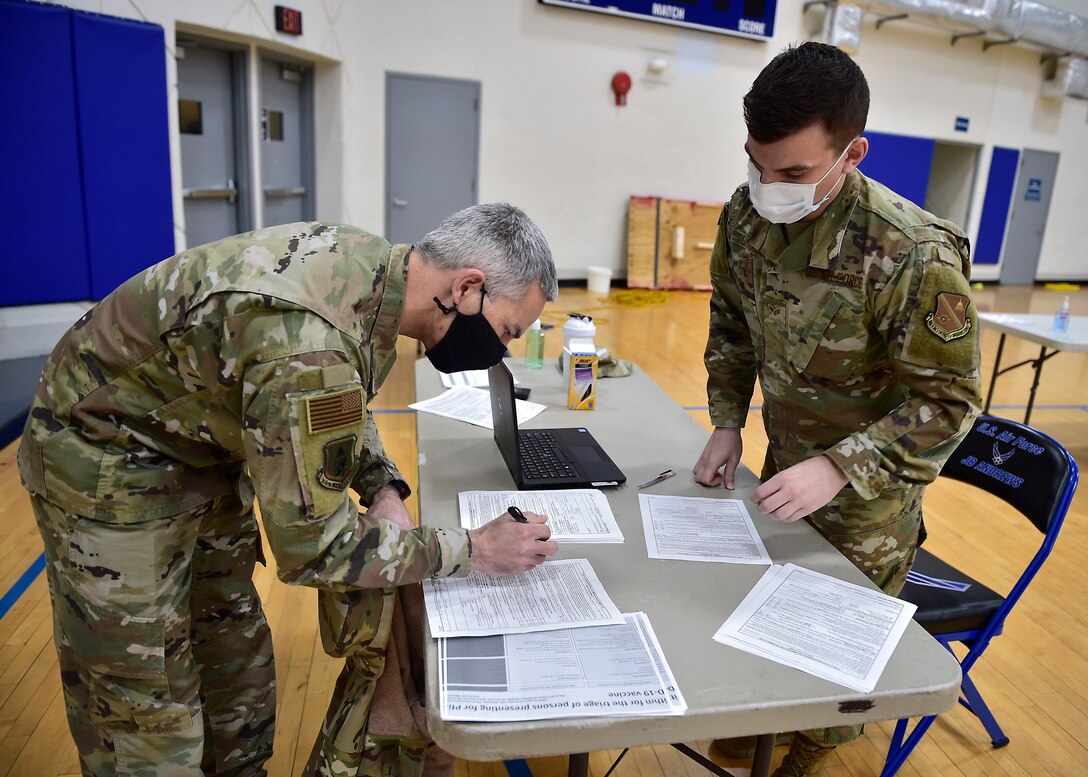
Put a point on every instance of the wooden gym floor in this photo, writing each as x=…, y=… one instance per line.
x=1034, y=676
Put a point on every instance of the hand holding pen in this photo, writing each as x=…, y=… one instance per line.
x=514, y=542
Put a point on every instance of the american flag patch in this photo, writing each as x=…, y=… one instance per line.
x=331, y=411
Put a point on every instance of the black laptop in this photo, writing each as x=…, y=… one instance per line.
x=546, y=458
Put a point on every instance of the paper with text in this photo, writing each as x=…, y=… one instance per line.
x=599, y=670
x=473, y=406
x=555, y=595
x=693, y=528
x=574, y=515
x=821, y=625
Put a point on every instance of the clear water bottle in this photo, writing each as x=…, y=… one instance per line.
x=534, y=346
x=1061, y=318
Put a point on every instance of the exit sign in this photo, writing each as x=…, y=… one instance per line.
x=288, y=20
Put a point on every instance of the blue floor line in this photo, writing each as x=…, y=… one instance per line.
x=23, y=583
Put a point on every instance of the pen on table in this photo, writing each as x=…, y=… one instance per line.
x=516, y=514
x=663, y=476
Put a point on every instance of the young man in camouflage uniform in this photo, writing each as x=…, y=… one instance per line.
x=237, y=368
x=853, y=308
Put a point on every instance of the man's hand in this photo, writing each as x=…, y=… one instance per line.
x=507, y=547
x=800, y=490
x=722, y=449
x=387, y=504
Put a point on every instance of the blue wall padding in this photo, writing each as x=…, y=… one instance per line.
x=900, y=162
x=1004, y=165
x=121, y=104
x=43, y=250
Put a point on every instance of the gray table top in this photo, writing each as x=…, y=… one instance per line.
x=729, y=692
x=1040, y=329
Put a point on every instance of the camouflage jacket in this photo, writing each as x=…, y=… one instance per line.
x=861, y=330
x=256, y=354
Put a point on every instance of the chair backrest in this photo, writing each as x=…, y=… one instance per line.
x=1020, y=465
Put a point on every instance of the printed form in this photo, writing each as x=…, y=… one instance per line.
x=574, y=514
x=473, y=406
x=555, y=595
x=599, y=670
x=821, y=625
x=693, y=528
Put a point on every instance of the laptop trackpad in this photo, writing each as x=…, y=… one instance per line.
x=585, y=454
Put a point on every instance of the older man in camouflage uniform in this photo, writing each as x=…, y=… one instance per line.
x=853, y=308
x=241, y=367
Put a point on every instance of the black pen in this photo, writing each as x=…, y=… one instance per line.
x=516, y=514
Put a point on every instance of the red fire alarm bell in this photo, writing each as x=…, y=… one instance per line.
x=621, y=85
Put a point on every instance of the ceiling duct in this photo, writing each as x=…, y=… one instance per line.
x=1062, y=35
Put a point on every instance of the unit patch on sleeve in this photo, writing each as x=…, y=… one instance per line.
x=337, y=463
x=948, y=319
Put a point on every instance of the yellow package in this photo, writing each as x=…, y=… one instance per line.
x=581, y=375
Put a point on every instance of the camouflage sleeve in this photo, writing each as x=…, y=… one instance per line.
x=303, y=446
x=375, y=468
x=729, y=356
x=929, y=321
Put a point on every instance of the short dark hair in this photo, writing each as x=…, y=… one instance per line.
x=806, y=84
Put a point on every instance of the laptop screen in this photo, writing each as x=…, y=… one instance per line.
x=504, y=415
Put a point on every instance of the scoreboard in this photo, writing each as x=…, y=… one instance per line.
x=744, y=18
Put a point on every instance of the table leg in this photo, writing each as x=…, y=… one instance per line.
x=577, y=765
x=997, y=370
x=1035, y=383
x=761, y=761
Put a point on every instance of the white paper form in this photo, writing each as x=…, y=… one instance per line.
x=819, y=624
x=595, y=671
x=574, y=515
x=555, y=595
x=473, y=406
x=476, y=378
x=693, y=528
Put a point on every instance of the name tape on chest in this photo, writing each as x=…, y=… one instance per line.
x=834, y=277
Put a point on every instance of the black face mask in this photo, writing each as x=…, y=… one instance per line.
x=469, y=344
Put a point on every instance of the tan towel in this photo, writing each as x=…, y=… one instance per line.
x=399, y=707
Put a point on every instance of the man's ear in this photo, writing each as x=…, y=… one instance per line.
x=858, y=149
x=465, y=282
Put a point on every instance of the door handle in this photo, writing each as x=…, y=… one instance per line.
x=284, y=191
x=399, y=203
x=224, y=193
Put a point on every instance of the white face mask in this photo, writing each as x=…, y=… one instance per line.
x=785, y=203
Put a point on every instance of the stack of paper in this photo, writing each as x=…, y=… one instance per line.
x=820, y=625
x=574, y=515
x=601, y=670
x=693, y=528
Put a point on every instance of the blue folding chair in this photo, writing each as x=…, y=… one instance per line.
x=1034, y=474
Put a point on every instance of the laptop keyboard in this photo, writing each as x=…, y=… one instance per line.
x=541, y=457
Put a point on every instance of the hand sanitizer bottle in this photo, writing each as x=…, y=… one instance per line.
x=1061, y=318
x=534, y=346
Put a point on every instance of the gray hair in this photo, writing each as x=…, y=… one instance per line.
x=500, y=241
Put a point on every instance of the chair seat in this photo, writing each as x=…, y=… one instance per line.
x=944, y=611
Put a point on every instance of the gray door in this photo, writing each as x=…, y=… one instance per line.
x=432, y=141
x=1027, y=224
x=212, y=142
x=286, y=142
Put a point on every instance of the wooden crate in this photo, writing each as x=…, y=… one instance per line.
x=669, y=242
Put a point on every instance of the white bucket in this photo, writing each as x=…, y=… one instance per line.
x=599, y=279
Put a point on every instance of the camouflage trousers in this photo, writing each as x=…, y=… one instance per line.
x=881, y=538
x=165, y=655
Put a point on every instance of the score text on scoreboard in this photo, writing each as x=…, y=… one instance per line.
x=743, y=18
